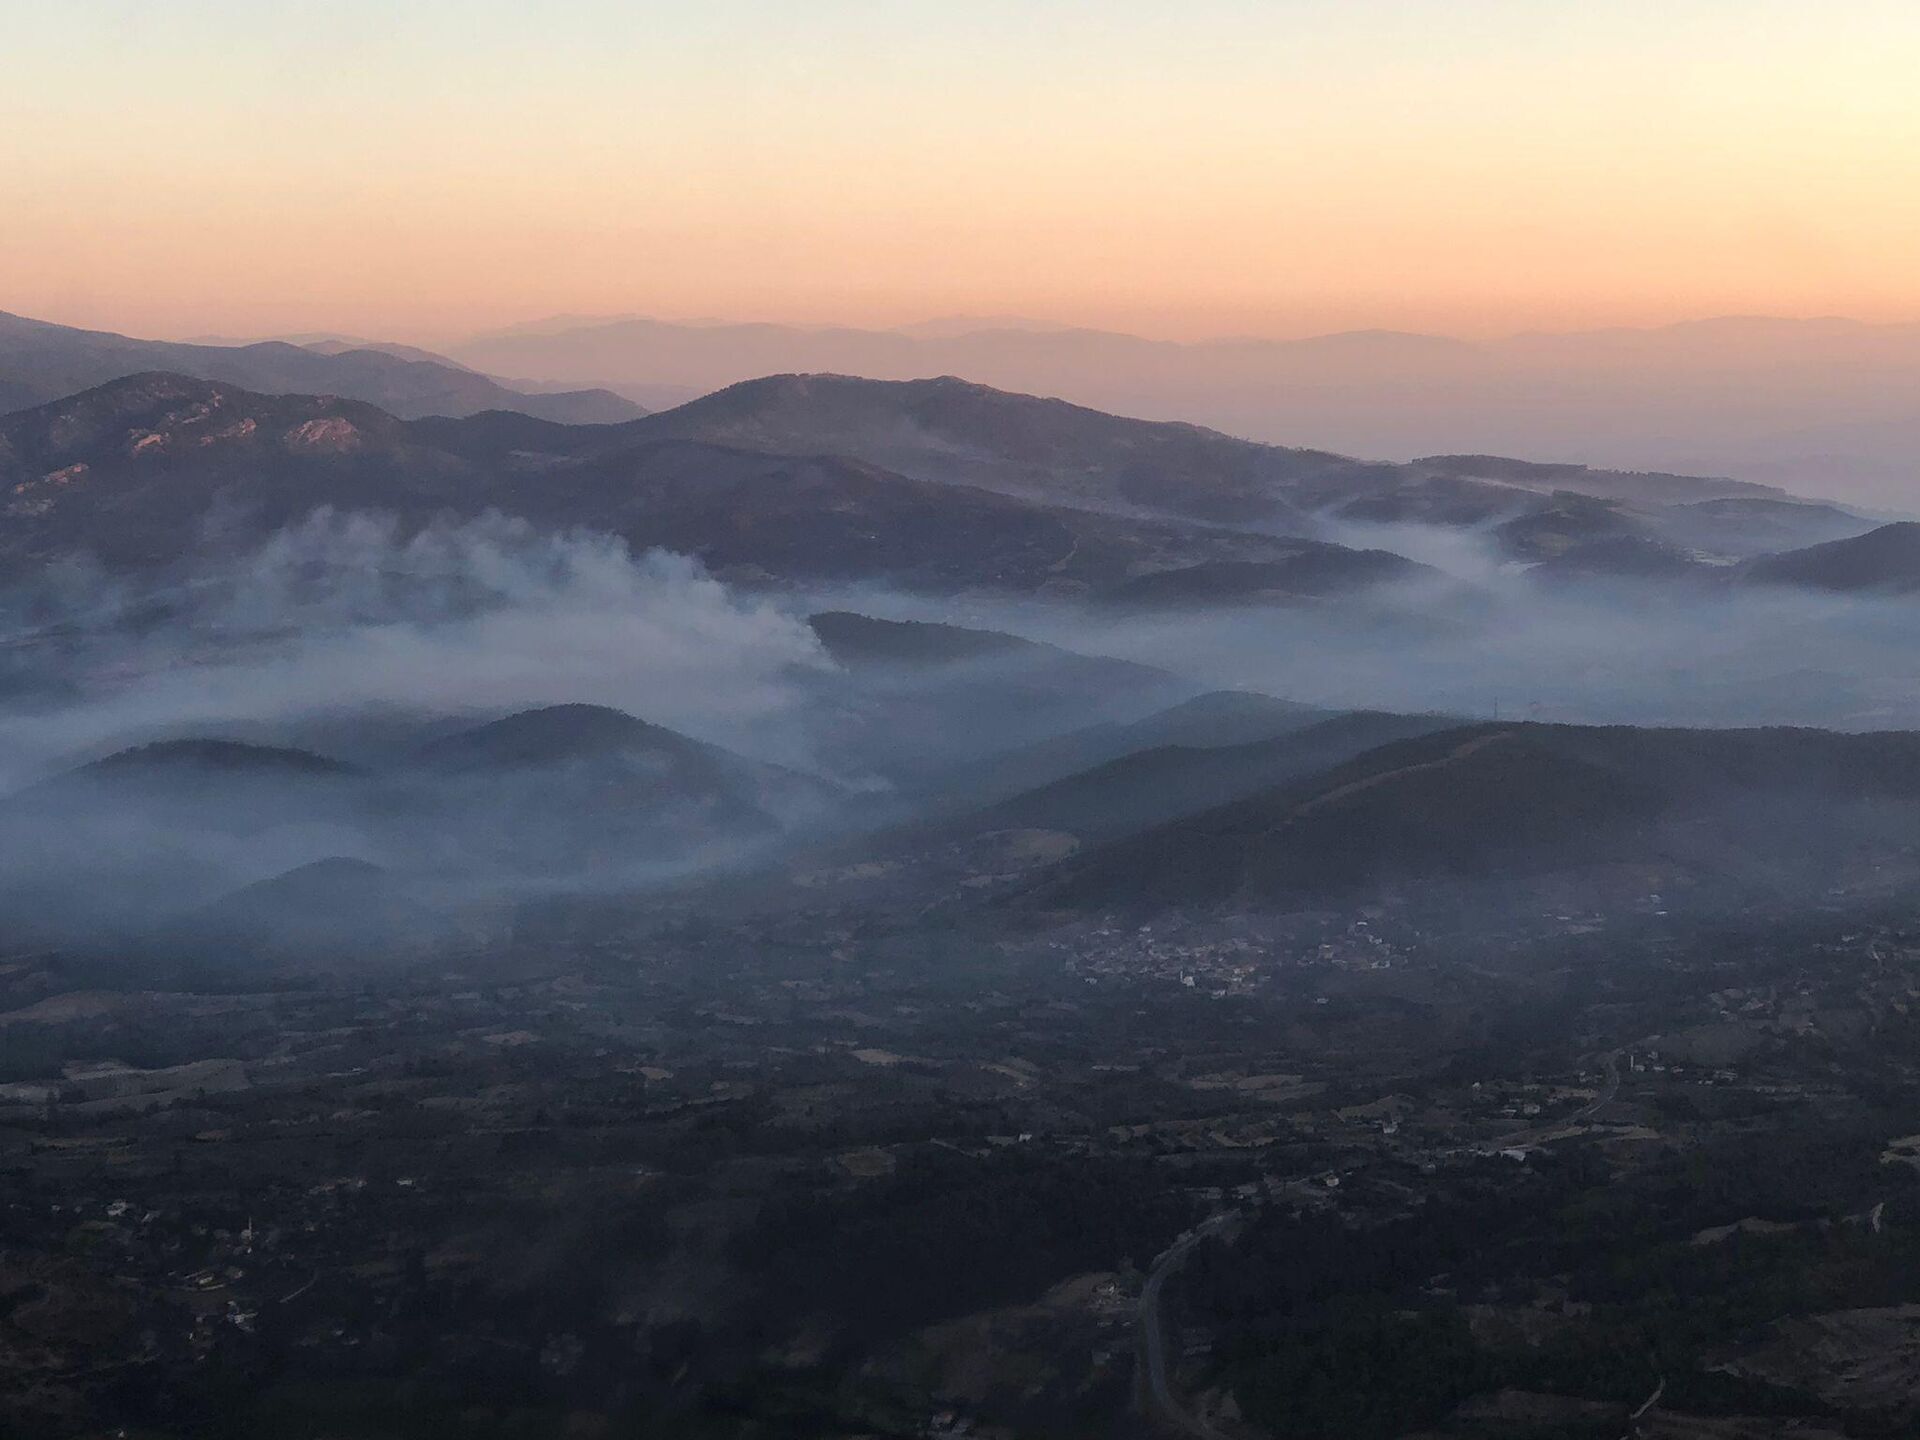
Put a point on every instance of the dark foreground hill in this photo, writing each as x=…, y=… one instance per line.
x=335, y=913
x=1216, y=718
x=109, y=846
x=576, y=790
x=570, y=795
x=559, y=735
x=1156, y=785
x=1884, y=561
x=1787, y=808
x=1754, y=525
x=186, y=781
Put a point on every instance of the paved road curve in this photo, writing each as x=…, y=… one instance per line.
x=1160, y=1398
x=1161, y=1401
x=1533, y=1134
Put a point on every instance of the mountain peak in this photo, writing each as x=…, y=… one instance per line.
x=551, y=734
x=232, y=757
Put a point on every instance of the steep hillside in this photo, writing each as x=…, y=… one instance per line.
x=570, y=794
x=336, y=913
x=950, y=430
x=1217, y=718
x=130, y=471
x=573, y=788
x=1886, y=560
x=1746, y=526
x=236, y=785
x=110, y=846
x=1658, y=487
x=1151, y=787
x=1517, y=800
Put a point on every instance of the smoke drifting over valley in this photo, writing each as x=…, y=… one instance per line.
x=804, y=875
x=433, y=713
x=349, y=614
x=1495, y=637
x=829, y=768
x=1067, y=753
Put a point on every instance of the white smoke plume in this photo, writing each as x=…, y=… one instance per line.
x=347, y=613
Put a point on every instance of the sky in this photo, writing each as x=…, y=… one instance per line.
x=429, y=169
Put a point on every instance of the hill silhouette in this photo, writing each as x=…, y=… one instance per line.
x=1515, y=800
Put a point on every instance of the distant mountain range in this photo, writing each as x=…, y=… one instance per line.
x=131, y=470
x=41, y=362
x=938, y=486
x=1820, y=405
x=955, y=431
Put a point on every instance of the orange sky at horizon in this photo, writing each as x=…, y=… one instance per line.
x=1294, y=167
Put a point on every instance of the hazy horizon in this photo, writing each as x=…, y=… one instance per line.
x=961, y=323
x=1819, y=406
x=1224, y=169
x=1036, y=720
x=1536, y=229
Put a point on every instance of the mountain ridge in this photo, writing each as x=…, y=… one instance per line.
x=130, y=470
x=41, y=361
x=1510, y=800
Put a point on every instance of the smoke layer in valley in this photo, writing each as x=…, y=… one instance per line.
x=345, y=619
x=329, y=732
x=1492, y=638
x=334, y=725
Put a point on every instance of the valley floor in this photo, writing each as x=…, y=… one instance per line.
x=816, y=1173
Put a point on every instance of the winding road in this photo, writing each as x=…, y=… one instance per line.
x=1160, y=1399
x=1532, y=1134
x=1158, y=1393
